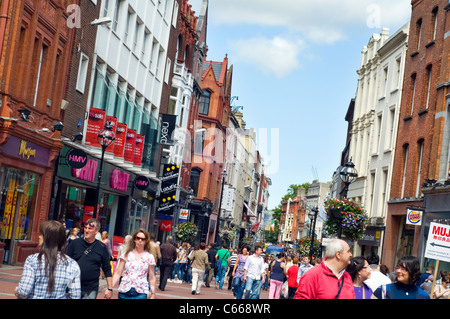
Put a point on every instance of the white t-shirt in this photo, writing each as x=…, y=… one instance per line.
x=255, y=267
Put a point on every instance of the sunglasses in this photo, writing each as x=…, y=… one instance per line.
x=140, y=238
x=90, y=225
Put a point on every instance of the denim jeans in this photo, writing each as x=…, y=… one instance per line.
x=238, y=285
x=132, y=294
x=221, y=275
x=89, y=294
x=253, y=286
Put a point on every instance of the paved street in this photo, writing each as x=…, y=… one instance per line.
x=10, y=277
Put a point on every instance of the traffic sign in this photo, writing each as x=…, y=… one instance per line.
x=438, y=243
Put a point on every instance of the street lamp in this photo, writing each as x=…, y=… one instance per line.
x=313, y=217
x=348, y=175
x=216, y=237
x=105, y=137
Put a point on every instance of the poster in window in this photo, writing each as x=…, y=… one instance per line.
x=130, y=145
x=96, y=123
x=121, y=136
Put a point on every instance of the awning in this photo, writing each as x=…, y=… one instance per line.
x=251, y=212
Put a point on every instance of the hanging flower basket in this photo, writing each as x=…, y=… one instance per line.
x=227, y=233
x=304, y=246
x=350, y=214
x=186, y=231
x=246, y=241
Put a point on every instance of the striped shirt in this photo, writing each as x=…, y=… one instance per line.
x=233, y=259
x=34, y=281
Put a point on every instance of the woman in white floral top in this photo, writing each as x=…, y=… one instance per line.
x=138, y=265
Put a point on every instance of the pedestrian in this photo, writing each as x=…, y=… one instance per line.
x=222, y=260
x=408, y=274
x=199, y=260
x=238, y=273
x=427, y=285
x=50, y=274
x=107, y=243
x=233, y=257
x=182, y=262
x=212, y=251
x=73, y=234
x=155, y=251
x=442, y=291
x=377, y=278
x=292, y=278
x=254, y=274
x=428, y=271
x=360, y=271
x=278, y=272
x=265, y=285
x=304, y=267
x=168, y=257
x=91, y=255
x=137, y=265
x=329, y=280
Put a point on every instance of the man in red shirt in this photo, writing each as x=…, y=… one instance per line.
x=292, y=278
x=329, y=280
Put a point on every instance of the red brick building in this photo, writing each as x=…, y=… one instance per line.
x=420, y=153
x=210, y=142
x=35, y=45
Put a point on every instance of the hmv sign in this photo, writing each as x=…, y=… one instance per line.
x=76, y=158
x=141, y=182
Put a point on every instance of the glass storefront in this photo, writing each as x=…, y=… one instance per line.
x=72, y=208
x=18, y=199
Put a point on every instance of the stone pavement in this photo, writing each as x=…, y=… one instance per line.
x=10, y=277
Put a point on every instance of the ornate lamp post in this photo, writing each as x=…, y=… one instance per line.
x=313, y=217
x=216, y=238
x=348, y=175
x=105, y=137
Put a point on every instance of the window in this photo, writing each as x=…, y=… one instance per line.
x=105, y=8
x=384, y=81
x=167, y=73
x=379, y=126
x=418, y=33
x=429, y=73
x=405, y=164
x=136, y=35
x=145, y=42
x=82, y=73
x=390, y=137
x=398, y=70
x=116, y=16
x=434, y=21
x=413, y=85
x=204, y=102
x=195, y=180
x=127, y=27
x=419, y=168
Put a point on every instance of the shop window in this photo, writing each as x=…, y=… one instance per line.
x=195, y=181
x=18, y=201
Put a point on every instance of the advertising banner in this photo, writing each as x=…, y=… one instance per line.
x=169, y=185
x=137, y=157
x=438, y=242
x=121, y=137
x=168, y=125
x=111, y=120
x=129, y=145
x=96, y=122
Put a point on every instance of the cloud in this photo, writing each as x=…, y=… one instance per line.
x=320, y=21
x=278, y=56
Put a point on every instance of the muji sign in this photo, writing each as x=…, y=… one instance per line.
x=438, y=243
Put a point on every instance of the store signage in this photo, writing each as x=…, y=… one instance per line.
x=24, y=150
x=116, y=243
x=169, y=185
x=121, y=136
x=414, y=217
x=141, y=182
x=166, y=225
x=184, y=215
x=119, y=180
x=96, y=122
x=87, y=173
x=438, y=242
x=168, y=124
x=76, y=158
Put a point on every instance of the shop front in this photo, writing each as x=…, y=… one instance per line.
x=121, y=207
x=25, y=170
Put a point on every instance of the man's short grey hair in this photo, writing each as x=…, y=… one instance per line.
x=333, y=247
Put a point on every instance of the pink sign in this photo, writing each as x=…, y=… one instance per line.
x=119, y=180
x=87, y=173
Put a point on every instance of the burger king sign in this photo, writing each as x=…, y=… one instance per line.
x=414, y=217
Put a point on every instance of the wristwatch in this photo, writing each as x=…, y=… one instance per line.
x=109, y=289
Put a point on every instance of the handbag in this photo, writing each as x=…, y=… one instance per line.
x=285, y=290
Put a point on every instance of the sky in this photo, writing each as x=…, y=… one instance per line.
x=294, y=73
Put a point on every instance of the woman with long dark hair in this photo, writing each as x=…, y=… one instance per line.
x=360, y=271
x=50, y=274
x=408, y=274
